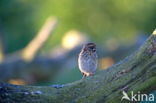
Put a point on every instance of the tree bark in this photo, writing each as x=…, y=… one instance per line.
x=135, y=73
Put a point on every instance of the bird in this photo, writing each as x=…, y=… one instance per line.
x=87, y=60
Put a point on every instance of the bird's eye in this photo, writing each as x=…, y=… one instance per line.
x=91, y=47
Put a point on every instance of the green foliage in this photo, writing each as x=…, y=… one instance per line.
x=100, y=19
x=16, y=18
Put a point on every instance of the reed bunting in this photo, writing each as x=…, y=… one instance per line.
x=87, y=59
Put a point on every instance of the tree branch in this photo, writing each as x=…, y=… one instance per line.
x=39, y=69
x=1, y=43
x=136, y=72
x=33, y=47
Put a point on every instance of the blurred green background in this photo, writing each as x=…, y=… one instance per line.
x=116, y=22
x=100, y=19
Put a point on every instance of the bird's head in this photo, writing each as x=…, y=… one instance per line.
x=90, y=47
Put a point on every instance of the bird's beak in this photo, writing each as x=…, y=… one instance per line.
x=94, y=50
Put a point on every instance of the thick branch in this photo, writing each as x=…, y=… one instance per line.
x=39, y=69
x=136, y=72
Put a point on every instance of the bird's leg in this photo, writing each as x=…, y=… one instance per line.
x=84, y=75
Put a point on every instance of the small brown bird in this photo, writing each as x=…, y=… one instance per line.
x=88, y=60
